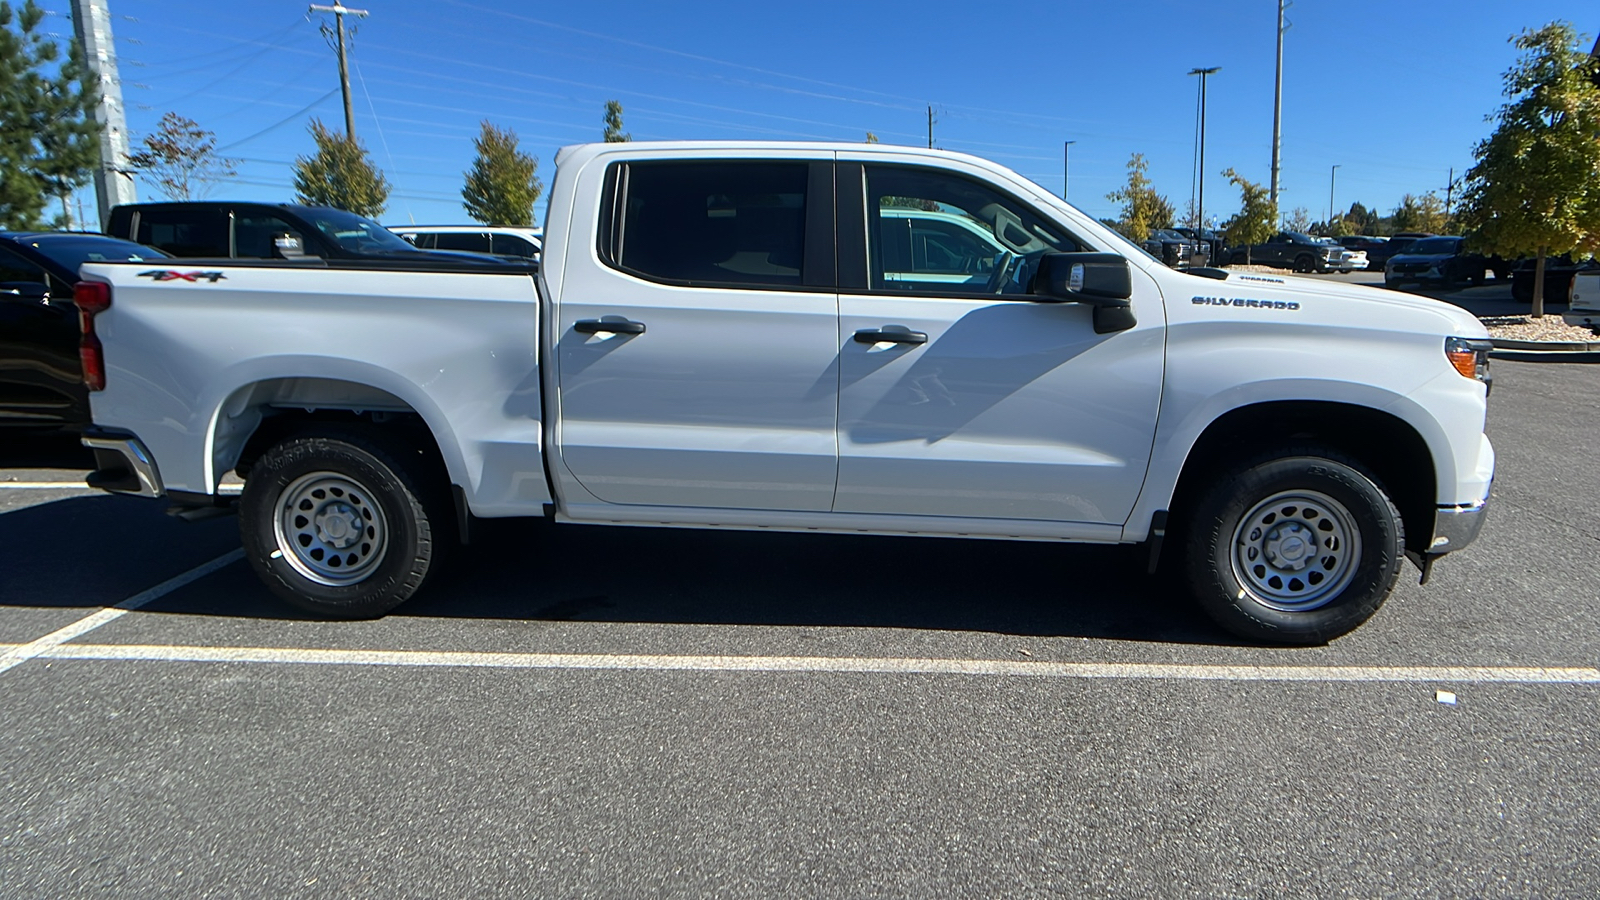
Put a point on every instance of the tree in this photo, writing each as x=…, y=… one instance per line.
x=48, y=134
x=181, y=158
x=502, y=185
x=1535, y=189
x=1256, y=218
x=613, y=132
x=1142, y=208
x=872, y=138
x=1299, y=220
x=339, y=175
x=1424, y=213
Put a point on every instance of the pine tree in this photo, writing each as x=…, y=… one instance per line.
x=48, y=134
x=339, y=175
x=613, y=133
x=501, y=186
x=181, y=159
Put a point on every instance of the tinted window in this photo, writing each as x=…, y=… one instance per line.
x=1435, y=246
x=936, y=232
x=511, y=245
x=356, y=234
x=72, y=250
x=189, y=232
x=15, y=268
x=733, y=223
x=474, y=242
x=253, y=235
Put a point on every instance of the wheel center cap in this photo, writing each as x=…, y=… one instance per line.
x=1289, y=547
x=338, y=525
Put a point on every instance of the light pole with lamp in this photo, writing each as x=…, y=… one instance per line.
x=1200, y=203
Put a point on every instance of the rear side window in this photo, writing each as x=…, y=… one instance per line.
x=473, y=242
x=185, y=232
x=724, y=223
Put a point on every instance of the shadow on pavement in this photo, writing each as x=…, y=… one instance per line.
x=534, y=570
x=35, y=451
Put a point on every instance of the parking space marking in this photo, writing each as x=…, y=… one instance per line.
x=46, y=486
x=21, y=653
x=823, y=664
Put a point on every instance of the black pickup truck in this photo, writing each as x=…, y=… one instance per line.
x=1302, y=253
x=240, y=230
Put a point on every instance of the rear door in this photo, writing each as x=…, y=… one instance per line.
x=970, y=398
x=696, y=335
x=40, y=375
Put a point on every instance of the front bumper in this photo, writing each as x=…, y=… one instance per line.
x=122, y=463
x=1454, y=527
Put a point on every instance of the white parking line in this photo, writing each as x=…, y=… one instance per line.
x=21, y=653
x=45, y=486
x=823, y=664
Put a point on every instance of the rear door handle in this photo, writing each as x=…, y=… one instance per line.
x=893, y=336
x=613, y=326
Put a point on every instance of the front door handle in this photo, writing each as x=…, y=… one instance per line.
x=614, y=326
x=890, y=336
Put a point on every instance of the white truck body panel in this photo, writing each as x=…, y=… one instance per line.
x=754, y=408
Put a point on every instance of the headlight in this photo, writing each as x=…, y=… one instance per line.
x=1470, y=357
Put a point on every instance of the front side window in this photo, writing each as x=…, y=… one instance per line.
x=469, y=241
x=255, y=235
x=936, y=232
x=512, y=245
x=724, y=223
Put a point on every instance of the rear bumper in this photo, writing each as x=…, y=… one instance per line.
x=122, y=463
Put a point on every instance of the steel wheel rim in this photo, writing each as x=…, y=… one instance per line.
x=1296, y=551
x=330, y=528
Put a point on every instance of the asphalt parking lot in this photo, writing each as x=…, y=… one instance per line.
x=636, y=712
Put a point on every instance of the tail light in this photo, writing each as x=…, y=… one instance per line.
x=91, y=298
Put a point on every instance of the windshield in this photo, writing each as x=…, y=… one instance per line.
x=73, y=250
x=1435, y=247
x=357, y=233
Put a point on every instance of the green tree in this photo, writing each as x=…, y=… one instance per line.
x=339, y=175
x=1535, y=189
x=613, y=132
x=1257, y=217
x=48, y=134
x=181, y=159
x=502, y=185
x=1424, y=213
x=1142, y=208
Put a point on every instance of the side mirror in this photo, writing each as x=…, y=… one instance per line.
x=24, y=290
x=1102, y=280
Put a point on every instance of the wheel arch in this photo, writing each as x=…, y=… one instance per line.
x=1395, y=451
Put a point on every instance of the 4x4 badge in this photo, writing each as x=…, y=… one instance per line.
x=171, y=275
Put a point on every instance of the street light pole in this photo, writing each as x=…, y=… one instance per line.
x=1066, y=166
x=1200, y=204
x=1331, y=173
x=339, y=12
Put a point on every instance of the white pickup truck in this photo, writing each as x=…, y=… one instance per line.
x=760, y=336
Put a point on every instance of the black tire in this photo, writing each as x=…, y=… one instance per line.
x=1239, y=259
x=1304, y=264
x=1478, y=277
x=400, y=505
x=1337, y=495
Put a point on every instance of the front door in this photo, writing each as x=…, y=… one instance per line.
x=697, y=361
x=961, y=395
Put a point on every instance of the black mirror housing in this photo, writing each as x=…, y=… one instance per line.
x=1102, y=280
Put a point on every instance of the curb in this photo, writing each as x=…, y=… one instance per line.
x=1545, y=346
x=1553, y=356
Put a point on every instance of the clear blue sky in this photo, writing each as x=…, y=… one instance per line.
x=1393, y=91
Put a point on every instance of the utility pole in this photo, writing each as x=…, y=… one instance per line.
x=339, y=12
x=1449, y=192
x=1277, y=102
x=1331, y=173
x=113, y=185
x=1200, y=204
x=1066, y=167
x=930, y=126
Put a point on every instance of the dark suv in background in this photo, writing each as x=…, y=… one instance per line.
x=41, y=379
x=1444, y=261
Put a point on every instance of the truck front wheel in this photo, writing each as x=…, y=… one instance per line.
x=1296, y=548
x=338, y=524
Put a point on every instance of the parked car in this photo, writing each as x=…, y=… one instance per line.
x=237, y=230
x=1559, y=275
x=739, y=358
x=1440, y=260
x=500, y=240
x=1174, y=249
x=1379, y=255
x=1213, y=242
x=1302, y=253
x=41, y=380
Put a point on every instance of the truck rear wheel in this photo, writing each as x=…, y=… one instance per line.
x=336, y=523
x=1299, y=547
